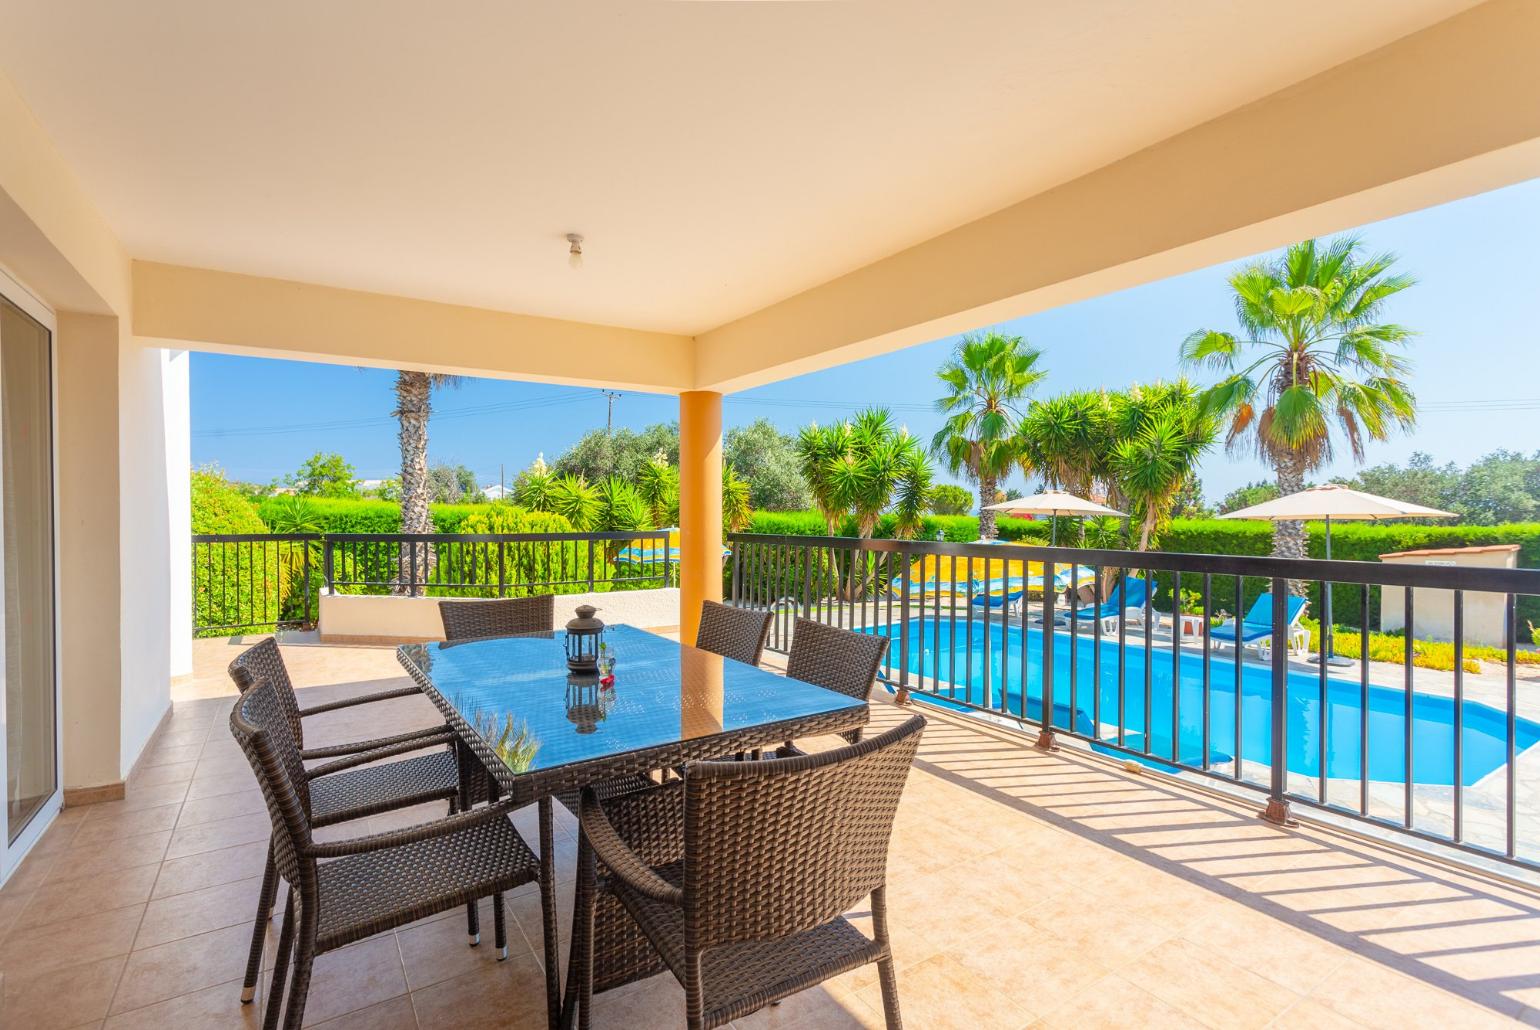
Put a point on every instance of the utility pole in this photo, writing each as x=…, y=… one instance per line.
x=502, y=489
x=609, y=415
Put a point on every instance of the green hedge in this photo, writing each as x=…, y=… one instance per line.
x=234, y=585
x=345, y=515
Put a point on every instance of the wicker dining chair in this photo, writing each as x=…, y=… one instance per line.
x=835, y=659
x=504, y=617
x=349, y=792
x=736, y=879
x=732, y=632
x=370, y=884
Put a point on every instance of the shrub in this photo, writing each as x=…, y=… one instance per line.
x=217, y=507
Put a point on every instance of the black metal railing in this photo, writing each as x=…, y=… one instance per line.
x=496, y=564
x=1131, y=653
x=247, y=581
x=253, y=581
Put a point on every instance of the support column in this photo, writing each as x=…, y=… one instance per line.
x=700, y=506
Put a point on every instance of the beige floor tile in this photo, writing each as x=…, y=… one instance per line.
x=108, y=822
x=199, y=911
x=655, y=1002
x=242, y=829
x=155, y=775
x=58, y=901
x=222, y=806
x=179, y=967
x=1376, y=996
x=501, y=995
x=41, y=949
x=356, y=977
x=218, y=786
x=829, y=1006
x=1209, y=988
x=92, y=859
x=941, y=992
x=395, y=1014
x=172, y=752
x=1113, y=1001
x=1268, y=947
x=210, y=868
x=155, y=796
x=61, y=998
x=438, y=950
x=1308, y=1015
x=212, y=1008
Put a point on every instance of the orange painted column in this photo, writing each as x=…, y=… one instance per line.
x=700, y=506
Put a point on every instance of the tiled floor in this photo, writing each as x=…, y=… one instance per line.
x=1026, y=889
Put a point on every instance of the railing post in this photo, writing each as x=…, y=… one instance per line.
x=1277, y=810
x=502, y=569
x=328, y=569
x=903, y=634
x=1045, y=737
x=591, y=545
x=305, y=543
x=411, y=587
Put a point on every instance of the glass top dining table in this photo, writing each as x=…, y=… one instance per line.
x=541, y=730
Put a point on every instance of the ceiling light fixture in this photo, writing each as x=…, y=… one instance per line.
x=574, y=251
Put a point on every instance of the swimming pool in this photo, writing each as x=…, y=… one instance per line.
x=996, y=651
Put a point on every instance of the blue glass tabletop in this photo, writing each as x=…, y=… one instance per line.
x=518, y=696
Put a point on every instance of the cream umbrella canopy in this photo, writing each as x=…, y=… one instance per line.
x=1334, y=501
x=1054, y=503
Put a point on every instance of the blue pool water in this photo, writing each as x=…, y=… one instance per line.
x=995, y=652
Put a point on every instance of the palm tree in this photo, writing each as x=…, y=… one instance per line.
x=1312, y=356
x=414, y=405
x=986, y=379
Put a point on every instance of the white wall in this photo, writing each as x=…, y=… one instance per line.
x=146, y=384
x=177, y=412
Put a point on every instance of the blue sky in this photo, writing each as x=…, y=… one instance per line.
x=1476, y=308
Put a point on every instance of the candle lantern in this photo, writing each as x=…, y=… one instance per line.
x=583, y=640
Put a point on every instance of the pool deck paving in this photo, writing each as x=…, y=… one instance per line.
x=1026, y=889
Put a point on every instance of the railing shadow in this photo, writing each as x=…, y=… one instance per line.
x=1270, y=888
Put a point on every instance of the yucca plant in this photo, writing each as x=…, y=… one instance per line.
x=736, y=509
x=575, y=500
x=533, y=489
x=1163, y=432
x=1313, y=357
x=658, y=484
x=817, y=447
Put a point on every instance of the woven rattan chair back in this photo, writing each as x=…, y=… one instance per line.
x=260, y=725
x=263, y=663
x=777, y=847
x=504, y=617
x=736, y=633
x=836, y=659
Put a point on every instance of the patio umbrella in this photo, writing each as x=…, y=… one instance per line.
x=1334, y=501
x=1053, y=503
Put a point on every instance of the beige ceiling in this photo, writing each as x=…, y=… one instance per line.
x=717, y=156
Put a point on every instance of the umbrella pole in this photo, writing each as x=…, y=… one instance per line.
x=1326, y=653
x=1053, y=531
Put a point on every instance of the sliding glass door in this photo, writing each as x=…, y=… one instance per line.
x=30, y=715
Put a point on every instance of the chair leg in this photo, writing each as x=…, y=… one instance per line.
x=259, y=928
x=304, y=960
x=499, y=928
x=548, y=913
x=885, y=972
x=580, y=960
x=281, y=966
x=463, y=758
